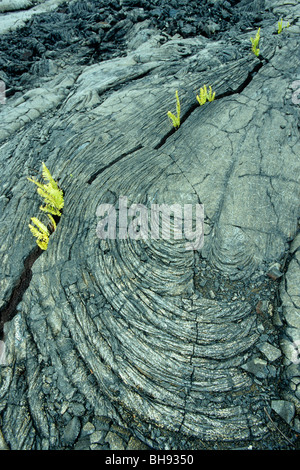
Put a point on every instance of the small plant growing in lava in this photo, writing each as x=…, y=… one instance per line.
x=205, y=95
x=175, y=119
x=255, y=42
x=281, y=27
x=53, y=204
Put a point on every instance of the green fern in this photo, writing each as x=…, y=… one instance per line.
x=204, y=95
x=255, y=42
x=281, y=27
x=175, y=119
x=40, y=232
x=54, y=202
x=50, y=192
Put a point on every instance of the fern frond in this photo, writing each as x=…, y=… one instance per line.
x=255, y=42
x=50, y=192
x=204, y=95
x=175, y=119
x=53, y=204
x=53, y=199
x=47, y=176
x=40, y=185
x=211, y=95
x=281, y=27
x=40, y=232
x=42, y=227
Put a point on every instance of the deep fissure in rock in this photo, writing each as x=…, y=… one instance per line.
x=9, y=310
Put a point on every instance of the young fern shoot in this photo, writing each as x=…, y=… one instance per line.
x=175, y=119
x=281, y=27
x=205, y=95
x=255, y=42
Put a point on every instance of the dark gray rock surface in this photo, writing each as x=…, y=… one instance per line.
x=132, y=344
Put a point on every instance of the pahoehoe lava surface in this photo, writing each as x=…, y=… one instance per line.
x=140, y=343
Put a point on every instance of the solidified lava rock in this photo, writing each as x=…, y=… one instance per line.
x=87, y=32
x=135, y=342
